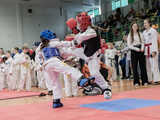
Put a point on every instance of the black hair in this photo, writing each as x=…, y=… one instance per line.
x=16, y=48
x=44, y=44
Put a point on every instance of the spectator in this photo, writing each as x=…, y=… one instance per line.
x=135, y=42
x=151, y=52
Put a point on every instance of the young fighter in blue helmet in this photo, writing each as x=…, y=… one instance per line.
x=53, y=65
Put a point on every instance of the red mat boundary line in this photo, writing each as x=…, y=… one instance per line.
x=19, y=97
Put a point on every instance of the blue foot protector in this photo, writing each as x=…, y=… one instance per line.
x=57, y=105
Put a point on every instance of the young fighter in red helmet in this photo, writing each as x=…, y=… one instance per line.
x=90, y=42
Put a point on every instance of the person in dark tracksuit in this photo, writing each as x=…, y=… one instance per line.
x=135, y=43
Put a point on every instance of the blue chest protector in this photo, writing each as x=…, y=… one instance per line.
x=50, y=52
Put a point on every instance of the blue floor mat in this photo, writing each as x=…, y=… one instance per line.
x=122, y=104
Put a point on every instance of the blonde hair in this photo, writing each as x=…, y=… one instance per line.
x=111, y=45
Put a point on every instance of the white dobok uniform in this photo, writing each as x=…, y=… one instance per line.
x=53, y=66
x=151, y=45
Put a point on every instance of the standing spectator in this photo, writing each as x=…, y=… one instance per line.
x=159, y=50
x=135, y=42
x=2, y=74
x=9, y=75
x=110, y=59
x=25, y=73
x=1, y=52
x=122, y=63
x=151, y=52
x=117, y=64
x=15, y=67
x=128, y=58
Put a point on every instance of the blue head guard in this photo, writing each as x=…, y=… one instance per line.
x=20, y=50
x=48, y=35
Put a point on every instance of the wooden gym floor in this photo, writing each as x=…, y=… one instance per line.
x=117, y=87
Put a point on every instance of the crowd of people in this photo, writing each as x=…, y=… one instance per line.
x=117, y=23
x=117, y=19
x=138, y=55
x=17, y=69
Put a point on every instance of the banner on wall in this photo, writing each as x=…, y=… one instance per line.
x=119, y=3
x=131, y=1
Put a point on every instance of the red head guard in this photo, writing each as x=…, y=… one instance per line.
x=72, y=24
x=31, y=51
x=84, y=20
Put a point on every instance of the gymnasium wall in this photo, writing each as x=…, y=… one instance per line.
x=17, y=26
x=42, y=18
x=8, y=26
